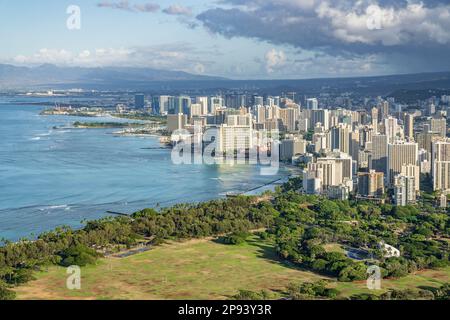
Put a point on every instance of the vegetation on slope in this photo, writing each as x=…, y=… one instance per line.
x=302, y=227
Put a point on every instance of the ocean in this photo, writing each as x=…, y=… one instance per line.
x=53, y=177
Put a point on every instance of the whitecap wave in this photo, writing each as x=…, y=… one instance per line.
x=56, y=207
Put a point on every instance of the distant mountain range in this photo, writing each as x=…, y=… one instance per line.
x=48, y=76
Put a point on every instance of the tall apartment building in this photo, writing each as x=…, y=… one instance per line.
x=235, y=137
x=399, y=155
x=340, y=138
x=340, y=158
x=312, y=104
x=440, y=165
x=214, y=104
x=196, y=110
x=439, y=126
x=289, y=116
x=391, y=128
x=329, y=173
x=291, y=147
x=203, y=101
x=411, y=170
x=139, y=101
x=176, y=122
x=371, y=184
x=379, y=153
x=404, y=190
x=425, y=139
x=383, y=111
x=409, y=126
x=320, y=116
x=374, y=115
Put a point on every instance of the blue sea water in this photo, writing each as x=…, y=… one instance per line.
x=52, y=177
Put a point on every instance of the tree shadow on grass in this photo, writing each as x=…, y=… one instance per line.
x=267, y=251
x=428, y=288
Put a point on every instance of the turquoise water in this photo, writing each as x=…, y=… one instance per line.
x=52, y=177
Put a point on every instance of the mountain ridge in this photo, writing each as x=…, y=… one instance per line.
x=49, y=74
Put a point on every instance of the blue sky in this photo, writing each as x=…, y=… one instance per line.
x=232, y=38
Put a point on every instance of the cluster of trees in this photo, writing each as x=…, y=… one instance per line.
x=65, y=246
x=306, y=224
x=441, y=293
x=234, y=238
x=311, y=290
x=252, y=295
x=302, y=227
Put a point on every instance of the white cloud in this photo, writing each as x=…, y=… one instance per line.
x=175, y=56
x=274, y=60
x=397, y=26
x=127, y=6
x=409, y=35
x=178, y=10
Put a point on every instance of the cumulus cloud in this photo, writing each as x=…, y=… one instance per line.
x=178, y=10
x=172, y=56
x=127, y=6
x=274, y=60
x=403, y=33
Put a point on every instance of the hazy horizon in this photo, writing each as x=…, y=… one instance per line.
x=236, y=39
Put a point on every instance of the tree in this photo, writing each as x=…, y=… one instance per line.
x=5, y=293
x=78, y=255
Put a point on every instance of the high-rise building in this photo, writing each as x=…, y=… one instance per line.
x=340, y=138
x=383, y=111
x=239, y=120
x=235, y=137
x=320, y=116
x=195, y=110
x=374, y=115
x=312, y=104
x=342, y=159
x=215, y=103
x=410, y=170
x=439, y=126
x=409, y=126
x=270, y=101
x=160, y=104
x=354, y=144
x=276, y=101
x=291, y=147
x=203, y=101
x=391, y=128
x=289, y=117
x=379, y=153
x=261, y=114
x=440, y=165
x=426, y=138
x=404, y=190
x=328, y=171
x=365, y=135
x=185, y=104
x=312, y=180
x=399, y=155
x=258, y=101
x=431, y=109
x=176, y=122
x=139, y=101
x=371, y=184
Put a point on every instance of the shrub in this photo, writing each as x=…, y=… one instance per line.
x=78, y=255
x=5, y=293
x=234, y=238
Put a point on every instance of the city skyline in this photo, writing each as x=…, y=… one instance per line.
x=235, y=39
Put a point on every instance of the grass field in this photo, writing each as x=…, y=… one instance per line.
x=197, y=269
